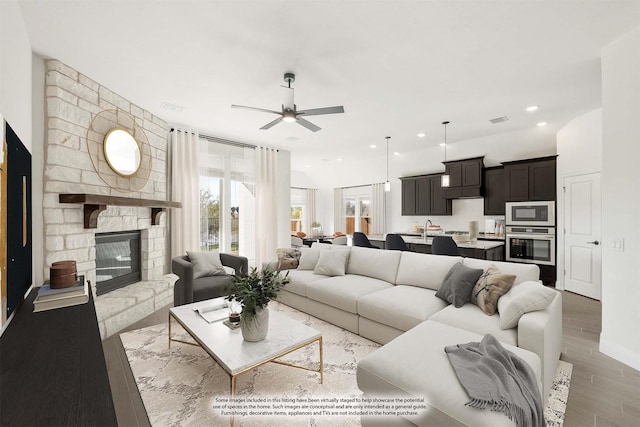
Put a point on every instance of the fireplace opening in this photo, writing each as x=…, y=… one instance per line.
x=117, y=260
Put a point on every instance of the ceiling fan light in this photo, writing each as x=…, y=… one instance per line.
x=289, y=117
x=444, y=181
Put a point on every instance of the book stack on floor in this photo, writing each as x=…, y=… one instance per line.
x=49, y=298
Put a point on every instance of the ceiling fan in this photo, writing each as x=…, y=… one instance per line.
x=290, y=112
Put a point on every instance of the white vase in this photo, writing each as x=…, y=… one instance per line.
x=473, y=231
x=255, y=328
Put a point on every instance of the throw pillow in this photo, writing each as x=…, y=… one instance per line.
x=206, y=264
x=288, y=258
x=491, y=285
x=331, y=263
x=308, y=258
x=523, y=298
x=458, y=283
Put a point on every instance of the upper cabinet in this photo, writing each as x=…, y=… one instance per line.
x=529, y=180
x=408, y=196
x=465, y=178
x=494, y=191
x=422, y=195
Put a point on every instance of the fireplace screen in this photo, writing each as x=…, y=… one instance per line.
x=117, y=260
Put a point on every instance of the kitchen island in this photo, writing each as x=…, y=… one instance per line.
x=491, y=250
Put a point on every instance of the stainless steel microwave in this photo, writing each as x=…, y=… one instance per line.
x=531, y=213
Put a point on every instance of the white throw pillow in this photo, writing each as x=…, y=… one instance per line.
x=308, y=258
x=521, y=299
x=331, y=263
x=206, y=264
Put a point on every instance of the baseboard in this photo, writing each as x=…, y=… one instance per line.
x=621, y=354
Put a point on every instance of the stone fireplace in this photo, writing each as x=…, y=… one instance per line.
x=72, y=101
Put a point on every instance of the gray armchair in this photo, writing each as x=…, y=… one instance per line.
x=188, y=290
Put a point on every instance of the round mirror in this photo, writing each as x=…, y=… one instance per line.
x=122, y=152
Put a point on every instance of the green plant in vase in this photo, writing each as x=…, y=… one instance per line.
x=254, y=291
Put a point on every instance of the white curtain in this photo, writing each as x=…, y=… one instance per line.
x=266, y=205
x=185, y=189
x=339, y=223
x=310, y=209
x=378, y=209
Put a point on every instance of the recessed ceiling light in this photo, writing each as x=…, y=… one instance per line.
x=308, y=166
x=541, y=124
x=532, y=108
x=339, y=159
x=422, y=135
x=396, y=153
x=373, y=146
x=442, y=144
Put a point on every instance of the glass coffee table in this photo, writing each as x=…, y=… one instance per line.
x=237, y=356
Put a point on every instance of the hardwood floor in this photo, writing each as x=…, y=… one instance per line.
x=604, y=392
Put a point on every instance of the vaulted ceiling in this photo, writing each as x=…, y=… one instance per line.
x=398, y=67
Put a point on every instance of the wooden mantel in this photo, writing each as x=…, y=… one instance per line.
x=95, y=203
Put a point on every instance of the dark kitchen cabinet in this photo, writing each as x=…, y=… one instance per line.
x=439, y=204
x=465, y=178
x=422, y=195
x=494, y=191
x=528, y=180
x=542, y=180
x=408, y=196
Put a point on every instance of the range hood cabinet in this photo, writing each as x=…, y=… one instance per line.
x=465, y=180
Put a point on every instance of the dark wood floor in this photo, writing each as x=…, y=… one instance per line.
x=604, y=392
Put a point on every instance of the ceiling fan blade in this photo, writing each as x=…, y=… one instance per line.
x=307, y=124
x=271, y=124
x=255, y=109
x=319, y=111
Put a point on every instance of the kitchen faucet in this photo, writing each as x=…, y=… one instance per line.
x=426, y=225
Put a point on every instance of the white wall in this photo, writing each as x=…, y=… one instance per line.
x=15, y=71
x=37, y=165
x=579, y=147
x=620, y=337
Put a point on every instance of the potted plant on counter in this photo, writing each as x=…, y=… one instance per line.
x=254, y=291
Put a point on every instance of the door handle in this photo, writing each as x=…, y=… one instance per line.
x=595, y=242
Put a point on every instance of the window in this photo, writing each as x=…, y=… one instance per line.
x=227, y=198
x=303, y=202
x=357, y=209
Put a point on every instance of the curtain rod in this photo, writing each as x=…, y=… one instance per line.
x=220, y=140
x=303, y=188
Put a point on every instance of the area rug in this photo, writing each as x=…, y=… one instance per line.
x=183, y=386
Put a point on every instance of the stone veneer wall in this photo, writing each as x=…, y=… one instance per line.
x=72, y=101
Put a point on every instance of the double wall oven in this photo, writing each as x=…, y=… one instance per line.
x=531, y=232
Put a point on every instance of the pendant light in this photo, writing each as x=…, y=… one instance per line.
x=387, y=184
x=444, y=182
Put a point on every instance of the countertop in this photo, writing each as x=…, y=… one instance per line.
x=480, y=244
x=482, y=236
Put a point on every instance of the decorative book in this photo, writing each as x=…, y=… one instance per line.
x=46, y=292
x=62, y=299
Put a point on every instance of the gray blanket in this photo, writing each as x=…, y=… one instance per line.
x=495, y=377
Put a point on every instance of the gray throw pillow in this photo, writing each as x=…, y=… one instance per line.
x=206, y=264
x=458, y=283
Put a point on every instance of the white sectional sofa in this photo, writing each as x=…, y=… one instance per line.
x=390, y=298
